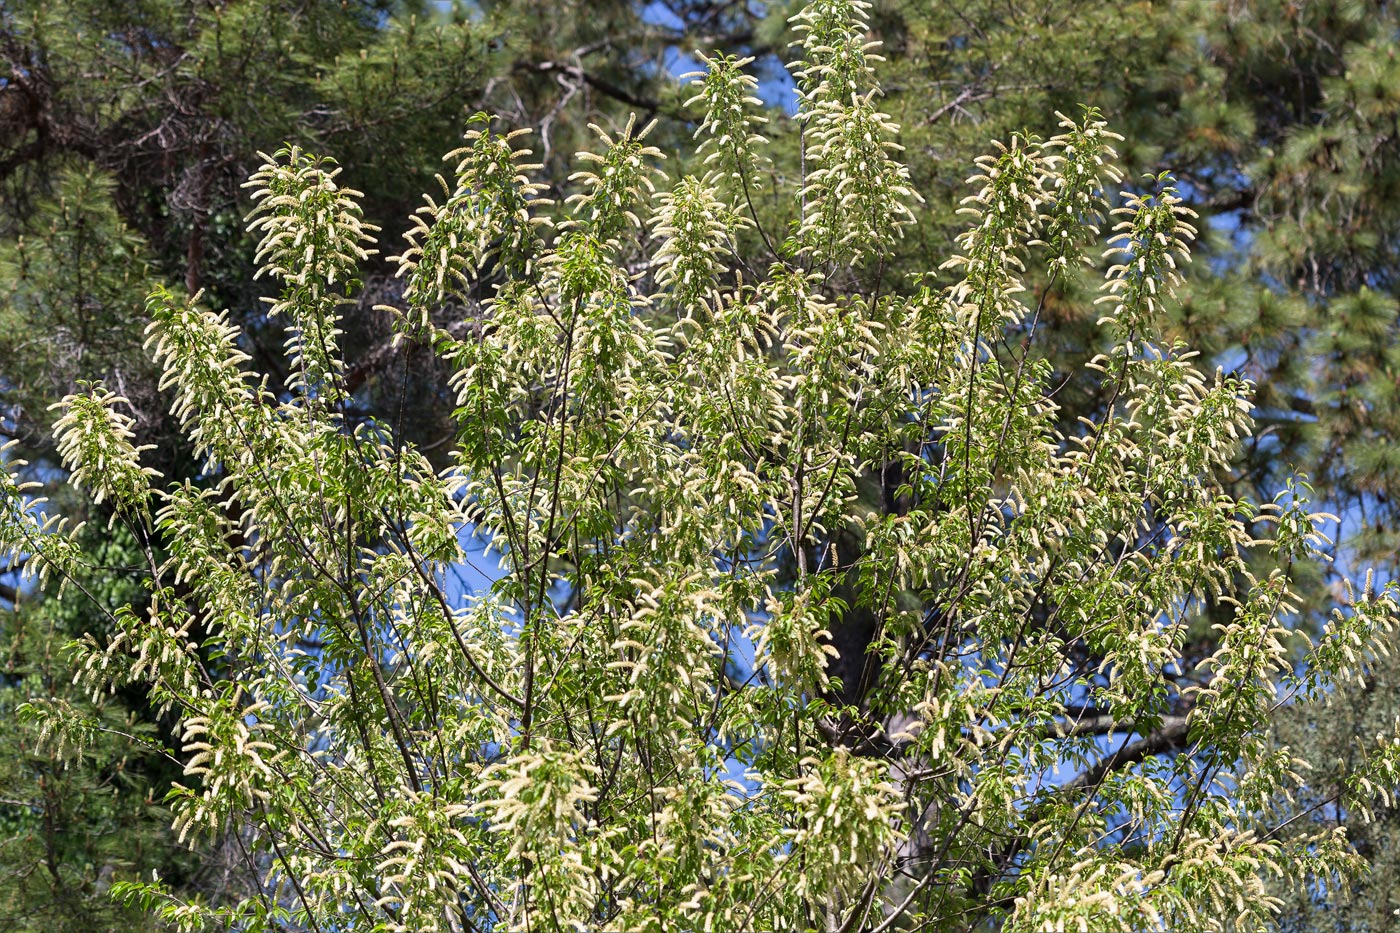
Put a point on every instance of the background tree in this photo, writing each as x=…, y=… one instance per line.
x=72, y=825
x=173, y=102
x=1368, y=902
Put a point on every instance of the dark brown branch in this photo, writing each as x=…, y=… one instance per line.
x=1170, y=736
x=379, y=357
x=651, y=105
x=1107, y=725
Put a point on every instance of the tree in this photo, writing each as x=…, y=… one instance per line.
x=637, y=724
x=162, y=108
x=74, y=821
x=125, y=131
x=1279, y=120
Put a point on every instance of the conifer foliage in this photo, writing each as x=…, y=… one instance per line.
x=633, y=723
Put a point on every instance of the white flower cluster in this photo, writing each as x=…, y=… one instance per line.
x=810, y=608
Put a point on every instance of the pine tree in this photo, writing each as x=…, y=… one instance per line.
x=75, y=824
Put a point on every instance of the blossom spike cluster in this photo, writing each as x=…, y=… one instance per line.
x=684, y=488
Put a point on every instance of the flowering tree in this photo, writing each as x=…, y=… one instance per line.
x=697, y=473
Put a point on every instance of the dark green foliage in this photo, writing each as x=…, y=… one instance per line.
x=74, y=276
x=75, y=819
x=1367, y=904
x=172, y=103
